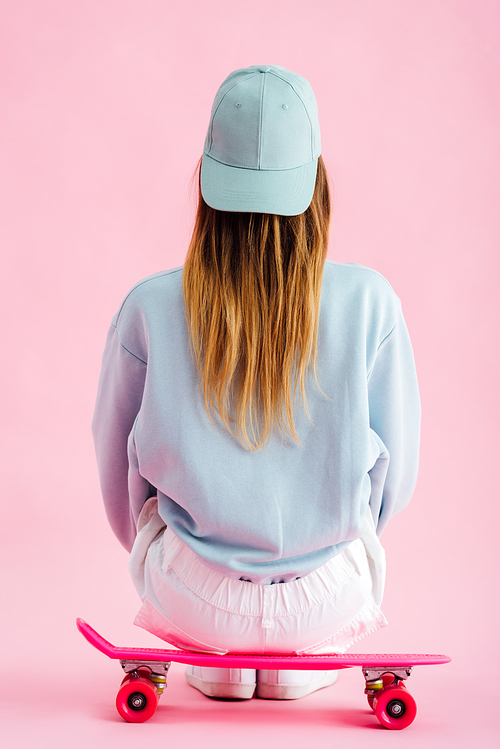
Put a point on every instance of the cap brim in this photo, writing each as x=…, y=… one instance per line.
x=285, y=192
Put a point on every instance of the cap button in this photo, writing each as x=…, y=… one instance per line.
x=265, y=69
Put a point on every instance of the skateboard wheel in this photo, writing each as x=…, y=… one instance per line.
x=137, y=700
x=395, y=708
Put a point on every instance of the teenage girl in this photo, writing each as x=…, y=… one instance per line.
x=257, y=420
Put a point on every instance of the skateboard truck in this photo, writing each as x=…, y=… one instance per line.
x=373, y=676
x=375, y=681
x=157, y=675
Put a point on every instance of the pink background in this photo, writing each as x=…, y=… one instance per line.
x=104, y=107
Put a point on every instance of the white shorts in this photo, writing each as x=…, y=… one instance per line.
x=195, y=608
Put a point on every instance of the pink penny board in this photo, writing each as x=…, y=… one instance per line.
x=146, y=674
x=246, y=660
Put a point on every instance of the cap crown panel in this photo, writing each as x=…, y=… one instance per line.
x=236, y=129
x=284, y=113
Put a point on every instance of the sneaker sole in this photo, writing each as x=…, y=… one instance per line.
x=222, y=689
x=289, y=692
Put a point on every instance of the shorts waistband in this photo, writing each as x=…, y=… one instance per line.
x=252, y=599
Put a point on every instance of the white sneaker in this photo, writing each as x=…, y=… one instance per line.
x=229, y=683
x=291, y=685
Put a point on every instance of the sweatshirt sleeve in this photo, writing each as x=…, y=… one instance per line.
x=394, y=405
x=119, y=397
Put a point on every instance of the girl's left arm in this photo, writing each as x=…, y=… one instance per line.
x=119, y=397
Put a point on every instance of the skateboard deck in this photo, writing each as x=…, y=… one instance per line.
x=146, y=670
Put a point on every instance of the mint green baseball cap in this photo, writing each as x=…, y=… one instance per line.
x=263, y=143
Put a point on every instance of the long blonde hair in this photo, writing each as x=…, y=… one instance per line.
x=252, y=285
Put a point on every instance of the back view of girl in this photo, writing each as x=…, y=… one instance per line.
x=257, y=420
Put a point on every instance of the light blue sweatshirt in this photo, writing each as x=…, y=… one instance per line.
x=282, y=511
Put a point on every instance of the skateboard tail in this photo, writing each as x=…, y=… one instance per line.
x=195, y=658
x=95, y=639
